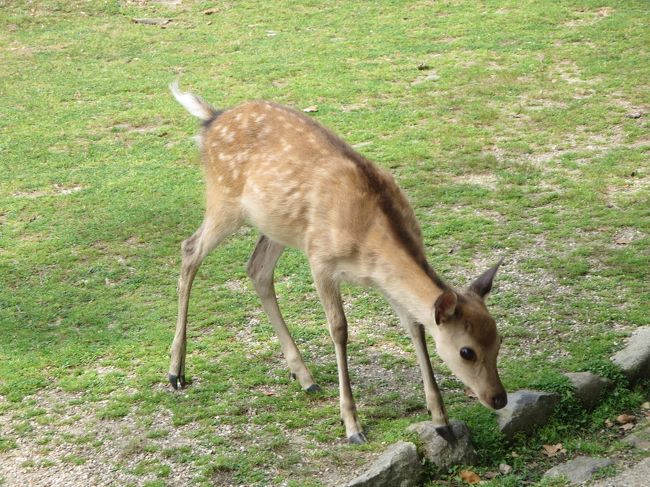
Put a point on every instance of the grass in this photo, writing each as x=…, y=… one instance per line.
x=523, y=142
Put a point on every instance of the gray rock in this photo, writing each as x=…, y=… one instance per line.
x=398, y=466
x=579, y=469
x=588, y=387
x=636, y=476
x=526, y=410
x=634, y=359
x=441, y=453
x=641, y=438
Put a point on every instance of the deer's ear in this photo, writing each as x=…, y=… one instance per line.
x=483, y=284
x=445, y=306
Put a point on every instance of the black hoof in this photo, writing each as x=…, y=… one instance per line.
x=313, y=389
x=447, y=433
x=357, y=439
x=176, y=380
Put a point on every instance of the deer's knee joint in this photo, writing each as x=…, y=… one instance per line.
x=189, y=246
x=339, y=332
x=261, y=277
x=253, y=269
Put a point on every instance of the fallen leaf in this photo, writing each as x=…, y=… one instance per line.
x=210, y=11
x=627, y=426
x=490, y=475
x=645, y=405
x=310, y=109
x=505, y=469
x=470, y=477
x=553, y=450
x=625, y=418
x=514, y=454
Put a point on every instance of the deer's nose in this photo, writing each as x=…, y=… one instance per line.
x=500, y=400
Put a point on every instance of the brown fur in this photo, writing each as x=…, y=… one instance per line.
x=253, y=138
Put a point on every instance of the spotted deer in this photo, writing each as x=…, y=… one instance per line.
x=302, y=186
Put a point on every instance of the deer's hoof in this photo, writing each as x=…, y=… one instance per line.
x=447, y=433
x=176, y=381
x=313, y=389
x=357, y=439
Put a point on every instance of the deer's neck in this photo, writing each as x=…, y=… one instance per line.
x=408, y=283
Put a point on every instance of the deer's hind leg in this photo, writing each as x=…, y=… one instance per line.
x=218, y=224
x=260, y=269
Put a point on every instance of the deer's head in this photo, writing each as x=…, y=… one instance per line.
x=467, y=339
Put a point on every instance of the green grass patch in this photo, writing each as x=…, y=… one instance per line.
x=512, y=127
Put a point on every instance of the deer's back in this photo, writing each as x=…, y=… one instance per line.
x=299, y=183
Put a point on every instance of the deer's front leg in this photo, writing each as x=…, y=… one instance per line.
x=330, y=297
x=432, y=394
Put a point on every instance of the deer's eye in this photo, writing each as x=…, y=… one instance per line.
x=468, y=354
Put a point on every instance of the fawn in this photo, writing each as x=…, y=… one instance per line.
x=302, y=186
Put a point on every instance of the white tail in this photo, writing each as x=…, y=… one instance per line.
x=302, y=186
x=193, y=104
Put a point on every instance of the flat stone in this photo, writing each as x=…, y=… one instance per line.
x=579, y=469
x=641, y=438
x=588, y=387
x=526, y=410
x=398, y=466
x=441, y=453
x=634, y=359
x=636, y=476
